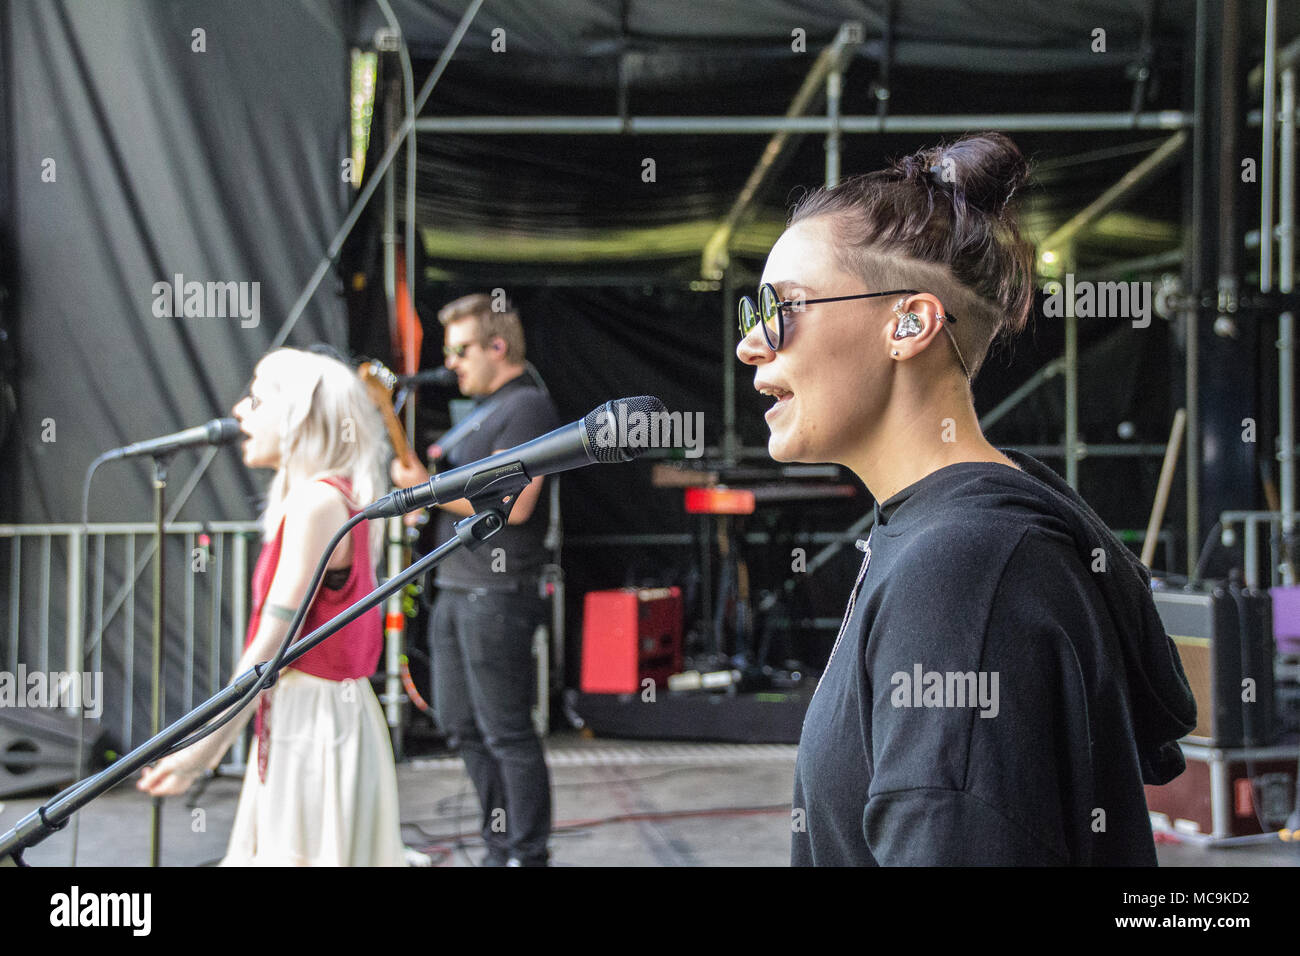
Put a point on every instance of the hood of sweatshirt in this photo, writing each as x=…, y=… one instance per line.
x=1160, y=701
x=1161, y=706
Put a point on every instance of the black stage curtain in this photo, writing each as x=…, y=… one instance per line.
x=141, y=149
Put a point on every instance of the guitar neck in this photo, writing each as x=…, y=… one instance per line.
x=379, y=383
x=397, y=436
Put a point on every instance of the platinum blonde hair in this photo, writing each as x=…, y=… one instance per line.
x=329, y=429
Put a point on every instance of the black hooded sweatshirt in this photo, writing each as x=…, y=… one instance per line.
x=1001, y=688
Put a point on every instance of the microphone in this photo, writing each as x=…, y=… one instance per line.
x=219, y=431
x=600, y=437
x=441, y=376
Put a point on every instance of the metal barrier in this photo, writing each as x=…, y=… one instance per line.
x=213, y=601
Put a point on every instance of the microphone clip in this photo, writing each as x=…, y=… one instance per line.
x=492, y=494
x=478, y=527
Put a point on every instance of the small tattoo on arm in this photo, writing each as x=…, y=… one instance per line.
x=281, y=612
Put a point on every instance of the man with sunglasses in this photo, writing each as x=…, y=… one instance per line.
x=488, y=603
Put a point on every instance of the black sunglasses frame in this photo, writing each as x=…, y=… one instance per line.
x=457, y=350
x=782, y=304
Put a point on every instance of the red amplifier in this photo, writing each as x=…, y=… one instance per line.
x=629, y=635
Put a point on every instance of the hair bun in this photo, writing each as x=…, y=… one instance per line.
x=982, y=172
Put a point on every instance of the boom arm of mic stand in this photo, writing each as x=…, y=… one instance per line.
x=489, y=518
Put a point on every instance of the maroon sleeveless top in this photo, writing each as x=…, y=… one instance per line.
x=352, y=651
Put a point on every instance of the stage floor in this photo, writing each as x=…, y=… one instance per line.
x=617, y=803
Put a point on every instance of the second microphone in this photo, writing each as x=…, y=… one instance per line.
x=597, y=438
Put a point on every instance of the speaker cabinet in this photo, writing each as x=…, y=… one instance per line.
x=1226, y=646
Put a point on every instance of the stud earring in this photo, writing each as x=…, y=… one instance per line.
x=895, y=351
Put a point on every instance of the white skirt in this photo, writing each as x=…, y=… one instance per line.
x=330, y=796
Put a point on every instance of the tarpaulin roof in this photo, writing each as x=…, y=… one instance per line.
x=993, y=35
x=525, y=200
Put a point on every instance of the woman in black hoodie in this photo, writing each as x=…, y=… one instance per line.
x=1001, y=686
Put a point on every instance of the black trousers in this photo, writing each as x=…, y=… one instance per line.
x=484, y=680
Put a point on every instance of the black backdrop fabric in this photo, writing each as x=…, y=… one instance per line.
x=220, y=165
x=593, y=343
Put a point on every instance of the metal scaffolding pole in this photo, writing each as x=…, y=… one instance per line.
x=1268, y=124
x=1060, y=241
x=1191, y=318
x=730, y=330
x=1052, y=368
x=390, y=223
x=1286, y=322
x=834, y=91
x=1071, y=386
x=1128, y=267
x=408, y=243
x=753, y=125
x=1168, y=152
x=1263, y=80
x=715, y=258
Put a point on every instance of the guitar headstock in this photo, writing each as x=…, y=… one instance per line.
x=379, y=382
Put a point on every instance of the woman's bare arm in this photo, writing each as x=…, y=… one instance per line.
x=310, y=520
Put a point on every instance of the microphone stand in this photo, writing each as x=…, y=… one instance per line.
x=492, y=505
x=156, y=702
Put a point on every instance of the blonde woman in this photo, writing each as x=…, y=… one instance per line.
x=321, y=788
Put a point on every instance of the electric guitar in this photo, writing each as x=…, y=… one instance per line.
x=379, y=383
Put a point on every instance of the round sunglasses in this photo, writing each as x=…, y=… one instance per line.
x=770, y=311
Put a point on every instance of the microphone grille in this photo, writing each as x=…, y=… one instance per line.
x=223, y=430
x=606, y=427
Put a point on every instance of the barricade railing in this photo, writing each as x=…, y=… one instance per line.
x=105, y=565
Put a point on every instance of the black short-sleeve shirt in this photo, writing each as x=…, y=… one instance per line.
x=513, y=557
